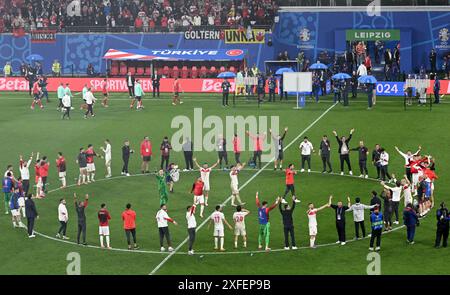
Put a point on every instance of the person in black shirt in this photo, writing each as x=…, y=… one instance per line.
x=354, y=84
x=156, y=83
x=324, y=150
x=375, y=200
x=340, y=209
x=343, y=151
x=225, y=92
x=363, y=151
x=31, y=214
x=288, y=223
x=130, y=80
x=165, y=152
x=82, y=164
x=376, y=159
x=126, y=152
x=386, y=195
x=80, y=208
x=31, y=78
x=443, y=220
x=222, y=151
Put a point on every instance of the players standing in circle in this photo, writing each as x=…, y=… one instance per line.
x=205, y=170
x=60, y=93
x=162, y=218
x=239, y=226
x=146, y=154
x=225, y=92
x=61, y=167
x=138, y=93
x=344, y=150
x=36, y=89
x=288, y=223
x=90, y=100
x=191, y=227
x=126, y=152
x=63, y=218
x=290, y=173
x=90, y=167
x=129, y=225
x=176, y=92
x=103, y=228
x=263, y=219
x=218, y=219
x=312, y=222
x=279, y=147
x=107, y=151
x=197, y=190
x=82, y=164
x=162, y=188
x=105, y=93
x=235, y=184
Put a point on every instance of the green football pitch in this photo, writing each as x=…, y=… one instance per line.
x=25, y=131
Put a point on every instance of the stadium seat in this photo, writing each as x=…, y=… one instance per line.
x=222, y=69
x=148, y=71
x=123, y=69
x=132, y=70
x=159, y=71
x=184, y=72
x=194, y=72
x=232, y=69
x=175, y=72
x=203, y=72
x=140, y=71
x=166, y=71
x=213, y=71
x=115, y=71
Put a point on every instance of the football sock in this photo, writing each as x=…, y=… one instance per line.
x=221, y=242
x=216, y=242
x=101, y=241
x=109, y=170
x=107, y=241
x=88, y=178
x=92, y=176
x=63, y=180
x=202, y=208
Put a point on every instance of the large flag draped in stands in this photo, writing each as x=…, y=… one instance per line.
x=175, y=54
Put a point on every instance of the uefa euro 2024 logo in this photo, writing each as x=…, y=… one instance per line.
x=444, y=35
x=304, y=35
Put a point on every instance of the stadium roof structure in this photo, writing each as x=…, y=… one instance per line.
x=176, y=54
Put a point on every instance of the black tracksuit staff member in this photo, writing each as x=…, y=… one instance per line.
x=288, y=223
x=363, y=151
x=155, y=83
x=443, y=220
x=376, y=159
x=225, y=92
x=31, y=214
x=344, y=150
x=80, y=208
x=324, y=150
x=130, y=84
x=340, y=210
x=126, y=152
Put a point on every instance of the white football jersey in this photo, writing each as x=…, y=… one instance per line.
x=218, y=218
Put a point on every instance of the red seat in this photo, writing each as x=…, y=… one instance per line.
x=203, y=72
x=232, y=69
x=140, y=71
x=175, y=72
x=166, y=71
x=148, y=70
x=159, y=71
x=194, y=72
x=123, y=69
x=213, y=71
x=115, y=71
x=184, y=72
x=132, y=70
x=222, y=69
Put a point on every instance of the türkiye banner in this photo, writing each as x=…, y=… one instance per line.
x=372, y=35
x=244, y=36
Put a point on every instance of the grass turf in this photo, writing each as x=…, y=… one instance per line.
x=388, y=124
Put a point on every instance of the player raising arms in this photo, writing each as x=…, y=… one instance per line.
x=205, y=170
x=105, y=93
x=36, y=95
x=197, y=189
x=235, y=184
x=103, y=228
x=107, y=151
x=218, y=219
x=176, y=92
x=162, y=188
x=263, y=218
x=290, y=173
x=312, y=222
x=61, y=167
x=239, y=225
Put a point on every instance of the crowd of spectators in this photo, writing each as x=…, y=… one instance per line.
x=134, y=15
